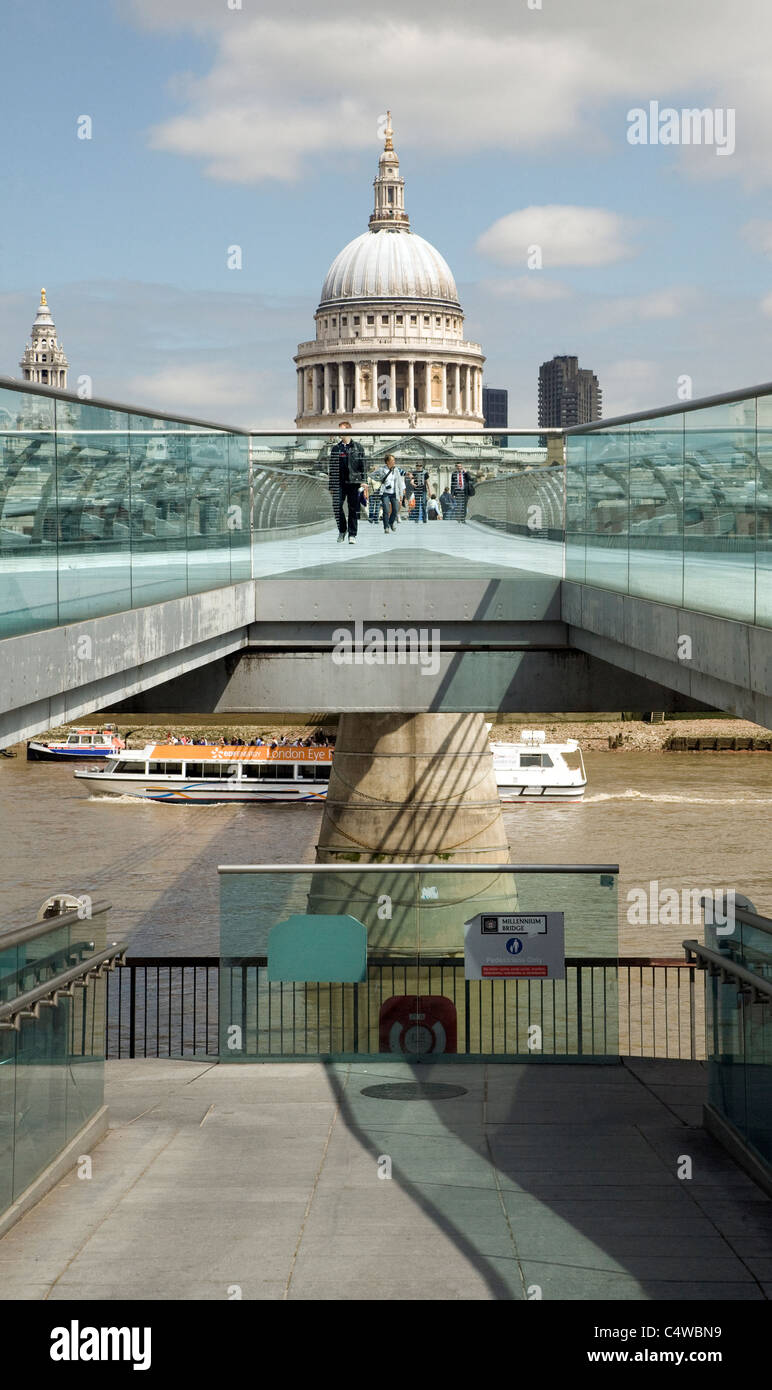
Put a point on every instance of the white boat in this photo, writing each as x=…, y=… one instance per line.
x=534, y=770
x=194, y=772
x=79, y=743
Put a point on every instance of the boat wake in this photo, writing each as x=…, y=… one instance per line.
x=631, y=794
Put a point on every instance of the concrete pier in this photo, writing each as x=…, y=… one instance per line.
x=413, y=789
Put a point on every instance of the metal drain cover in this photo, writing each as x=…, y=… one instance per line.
x=414, y=1090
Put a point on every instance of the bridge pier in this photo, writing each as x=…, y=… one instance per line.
x=413, y=789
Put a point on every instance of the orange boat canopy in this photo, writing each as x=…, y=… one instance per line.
x=223, y=753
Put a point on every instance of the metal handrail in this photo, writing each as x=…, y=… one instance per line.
x=35, y=389
x=752, y=919
x=28, y=1005
x=418, y=868
x=721, y=965
x=15, y=936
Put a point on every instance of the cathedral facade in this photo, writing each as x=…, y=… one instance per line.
x=389, y=351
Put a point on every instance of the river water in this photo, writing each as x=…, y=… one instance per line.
x=684, y=821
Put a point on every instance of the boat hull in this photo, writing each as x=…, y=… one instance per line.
x=199, y=792
x=42, y=753
x=540, y=795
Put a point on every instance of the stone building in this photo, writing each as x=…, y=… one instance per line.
x=390, y=351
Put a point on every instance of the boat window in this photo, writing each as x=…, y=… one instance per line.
x=546, y=760
x=530, y=759
x=155, y=769
x=73, y=738
x=252, y=770
x=172, y=769
x=194, y=769
x=323, y=773
x=123, y=767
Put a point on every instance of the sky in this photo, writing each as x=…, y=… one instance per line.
x=222, y=123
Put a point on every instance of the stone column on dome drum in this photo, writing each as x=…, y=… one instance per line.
x=300, y=391
x=457, y=390
x=392, y=385
x=326, y=389
x=411, y=385
x=341, y=398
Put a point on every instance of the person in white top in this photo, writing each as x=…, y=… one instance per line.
x=389, y=493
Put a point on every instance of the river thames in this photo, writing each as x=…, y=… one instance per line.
x=683, y=821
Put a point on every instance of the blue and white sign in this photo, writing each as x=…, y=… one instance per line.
x=515, y=945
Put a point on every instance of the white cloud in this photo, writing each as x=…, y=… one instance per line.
x=494, y=76
x=656, y=304
x=536, y=287
x=566, y=235
x=766, y=305
x=184, y=387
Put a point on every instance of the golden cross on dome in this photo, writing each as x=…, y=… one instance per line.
x=42, y=297
x=389, y=132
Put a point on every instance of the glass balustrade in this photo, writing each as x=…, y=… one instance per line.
x=52, y=1066
x=393, y=961
x=676, y=507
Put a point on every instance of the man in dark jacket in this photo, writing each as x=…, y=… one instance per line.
x=446, y=503
x=461, y=489
x=347, y=475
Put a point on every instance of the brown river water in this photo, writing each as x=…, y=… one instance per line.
x=686, y=820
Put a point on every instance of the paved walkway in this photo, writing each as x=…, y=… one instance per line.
x=434, y=549
x=558, y=1179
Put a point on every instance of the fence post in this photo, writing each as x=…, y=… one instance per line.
x=132, y=1010
x=579, y=1022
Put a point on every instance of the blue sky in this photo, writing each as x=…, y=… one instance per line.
x=215, y=126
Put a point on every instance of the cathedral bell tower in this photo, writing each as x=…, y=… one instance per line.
x=44, y=360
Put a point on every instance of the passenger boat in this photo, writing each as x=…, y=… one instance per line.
x=194, y=772
x=534, y=770
x=79, y=743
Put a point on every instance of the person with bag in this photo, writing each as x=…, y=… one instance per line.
x=389, y=488
x=347, y=478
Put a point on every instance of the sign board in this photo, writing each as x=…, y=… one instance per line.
x=515, y=945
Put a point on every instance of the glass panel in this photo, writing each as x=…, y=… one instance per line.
x=92, y=472
x=764, y=511
x=608, y=484
x=576, y=506
x=656, y=509
x=720, y=509
x=239, y=507
x=416, y=990
x=52, y=1067
x=28, y=527
x=158, y=452
x=209, y=563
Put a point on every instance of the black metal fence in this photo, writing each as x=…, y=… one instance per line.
x=171, y=1007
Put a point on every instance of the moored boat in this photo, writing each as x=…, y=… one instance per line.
x=78, y=743
x=533, y=770
x=214, y=772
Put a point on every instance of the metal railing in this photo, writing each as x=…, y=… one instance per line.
x=169, y=1006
